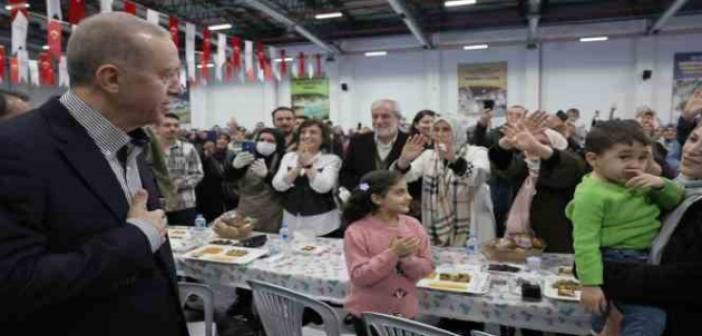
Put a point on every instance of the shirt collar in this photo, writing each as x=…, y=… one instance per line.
x=382, y=145
x=106, y=135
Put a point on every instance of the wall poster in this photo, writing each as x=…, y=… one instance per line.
x=310, y=97
x=687, y=78
x=479, y=82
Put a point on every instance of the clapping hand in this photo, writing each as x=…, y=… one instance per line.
x=445, y=151
x=412, y=149
x=404, y=247
x=693, y=106
x=304, y=155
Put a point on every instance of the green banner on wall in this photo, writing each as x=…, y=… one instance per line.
x=310, y=97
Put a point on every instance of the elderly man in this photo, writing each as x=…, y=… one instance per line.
x=83, y=250
x=376, y=150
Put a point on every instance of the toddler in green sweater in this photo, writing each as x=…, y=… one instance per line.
x=615, y=214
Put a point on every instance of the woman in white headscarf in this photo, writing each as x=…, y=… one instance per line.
x=455, y=199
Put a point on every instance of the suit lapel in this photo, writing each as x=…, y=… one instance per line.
x=83, y=155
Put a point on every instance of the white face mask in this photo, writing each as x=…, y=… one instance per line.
x=265, y=148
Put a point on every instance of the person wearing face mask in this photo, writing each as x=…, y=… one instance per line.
x=253, y=173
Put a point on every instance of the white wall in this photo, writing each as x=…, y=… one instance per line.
x=563, y=73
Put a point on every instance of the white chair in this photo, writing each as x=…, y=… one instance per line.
x=280, y=310
x=208, y=327
x=388, y=325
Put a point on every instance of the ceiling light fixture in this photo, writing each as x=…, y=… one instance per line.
x=209, y=65
x=475, y=47
x=375, y=53
x=456, y=3
x=223, y=26
x=17, y=6
x=287, y=59
x=594, y=39
x=332, y=15
x=45, y=47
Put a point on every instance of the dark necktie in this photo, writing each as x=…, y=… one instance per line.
x=122, y=156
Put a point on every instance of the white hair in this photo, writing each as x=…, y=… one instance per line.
x=392, y=104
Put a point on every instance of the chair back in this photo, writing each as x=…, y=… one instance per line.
x=280, y=310
x=388, y=325
x=205, y=293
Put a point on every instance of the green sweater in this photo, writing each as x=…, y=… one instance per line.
x=610, y=215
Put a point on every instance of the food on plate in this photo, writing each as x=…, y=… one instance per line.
x=178, y=232
x=519, y=242
x=308, y=248
x=567, y=288
x=455, y=277
x=237, y=253
x=211, y=250
x=448, y=285
x=565, y=270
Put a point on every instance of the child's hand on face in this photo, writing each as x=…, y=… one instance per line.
x=643, y=180
x=404, y=247
x=593, y=299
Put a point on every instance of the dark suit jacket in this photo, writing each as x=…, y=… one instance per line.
x=69, y=262
x=361, y=158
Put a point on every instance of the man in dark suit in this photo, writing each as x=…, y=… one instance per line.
x=82, y=250
x=377, y=150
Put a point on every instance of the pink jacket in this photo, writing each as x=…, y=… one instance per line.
x=380, y=281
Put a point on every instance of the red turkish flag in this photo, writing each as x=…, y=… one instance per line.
x=54, y=34
x=16, y=6
x=301, y=69
x=319, y=66
x=46, y=69
x=76, y=11
x=206, y=52
x=283, y=63
x=2, y=64
x=173, y=23
x=261, y=55
x=130, y=7
x=236, y=53
x=14, y=70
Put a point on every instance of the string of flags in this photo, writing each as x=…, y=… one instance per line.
x=235, y=60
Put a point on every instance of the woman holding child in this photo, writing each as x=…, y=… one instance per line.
x=671, y=280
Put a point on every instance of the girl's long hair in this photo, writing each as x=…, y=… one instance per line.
x=359, y=205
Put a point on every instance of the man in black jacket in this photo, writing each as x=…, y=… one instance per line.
x=83, y=250
x=377, y=150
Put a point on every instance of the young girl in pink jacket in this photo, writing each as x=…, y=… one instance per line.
x=386, y=251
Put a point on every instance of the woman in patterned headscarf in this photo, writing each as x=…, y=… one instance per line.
x=454, y=194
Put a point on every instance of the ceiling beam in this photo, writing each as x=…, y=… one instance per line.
x=266, y=8
x=669, y=13
x=411, y=22
x=534, y=16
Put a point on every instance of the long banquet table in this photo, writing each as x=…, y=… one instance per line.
x=324, y=276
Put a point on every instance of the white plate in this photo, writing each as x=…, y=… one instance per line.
x=552, y=293
x=221, y=255
x=479, y=281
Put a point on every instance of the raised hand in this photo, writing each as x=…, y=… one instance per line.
x=445, y=151
x=304, y=155
x=412, y=149
x=534, y=122
x=693, y=107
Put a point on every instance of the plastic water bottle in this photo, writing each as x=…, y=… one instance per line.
x=472, y=245
x=285, y=238
x=200, y=228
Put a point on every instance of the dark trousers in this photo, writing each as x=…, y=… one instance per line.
x=185, y=217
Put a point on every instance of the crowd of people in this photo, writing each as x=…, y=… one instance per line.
x=391, y=191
